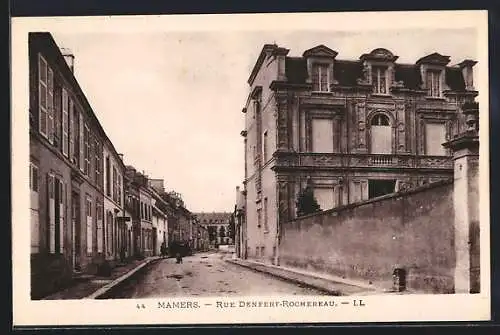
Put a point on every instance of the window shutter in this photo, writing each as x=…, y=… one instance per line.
x=42, y=96
x=82, y=162
x=51, y=212
x=65, y=122
x=62, y=214
x=71, y=128
x=34, y=200
x=50, y=105
x=88, y=214
x=99, y=228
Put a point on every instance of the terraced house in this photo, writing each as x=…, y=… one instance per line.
x=66, y=170
x=350, y=129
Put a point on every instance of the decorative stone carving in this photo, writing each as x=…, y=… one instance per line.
x=282, y=103
x=432, y=162
x=365, y=79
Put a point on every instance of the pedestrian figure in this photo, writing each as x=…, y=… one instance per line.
x=163, y=250
x=178, y=257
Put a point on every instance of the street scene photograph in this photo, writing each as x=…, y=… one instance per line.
x=275, y=163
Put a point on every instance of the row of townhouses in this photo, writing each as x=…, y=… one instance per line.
x=87, y=207
x=351, y=130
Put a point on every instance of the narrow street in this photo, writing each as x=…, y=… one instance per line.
x=205, y=275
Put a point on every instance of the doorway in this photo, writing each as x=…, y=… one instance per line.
x=379, y=187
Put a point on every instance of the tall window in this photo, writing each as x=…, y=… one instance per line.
x=320, y=78
x=266, y=227
x=72, y=128
x=114, y=185
x=60, y=215
x=99, y=214
x=108, y=177
x=379, y=79
x=45, y=99
x=119, y=189
x=435, y=136
x=51, y=213
x=34, y=208
x=97, y=160
x=109, y=233
x=88, y=214
x=57, y=116
x=65, y=122
x=86, y=140
x=433, y=82
x=322, y=135
x=82, y=146
x=381, y=134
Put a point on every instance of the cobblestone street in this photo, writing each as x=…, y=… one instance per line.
x=205, y=275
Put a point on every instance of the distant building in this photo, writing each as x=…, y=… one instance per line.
x=217, y=224
x=352, y=129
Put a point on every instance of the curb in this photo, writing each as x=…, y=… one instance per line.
x=263, y=268
x=117, y=281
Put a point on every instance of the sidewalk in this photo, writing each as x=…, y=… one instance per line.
x=327, y=283
x=92, y=287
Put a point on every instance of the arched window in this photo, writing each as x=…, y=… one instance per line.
x=380, y=120
x=381, y=135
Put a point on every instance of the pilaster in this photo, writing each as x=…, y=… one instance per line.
x=465, y=148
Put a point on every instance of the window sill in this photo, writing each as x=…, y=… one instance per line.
x=435, y=98
x=384, y=95
x=321, y=92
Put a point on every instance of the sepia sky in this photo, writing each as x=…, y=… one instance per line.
x=171, y=102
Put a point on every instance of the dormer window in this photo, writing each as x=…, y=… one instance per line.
x=320, y=62
x=320, y=77
x=433, y=83
x=379, y=79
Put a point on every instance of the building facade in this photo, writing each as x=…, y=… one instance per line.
x=160, y=223
x=350, y=129
x=66, y=170
x=116, y=236
x=217, y=224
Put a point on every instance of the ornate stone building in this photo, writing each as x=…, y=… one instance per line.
x=352, y=129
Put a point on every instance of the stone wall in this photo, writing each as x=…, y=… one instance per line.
x=368, y=240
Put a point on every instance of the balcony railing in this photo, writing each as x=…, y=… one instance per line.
x=338, y=160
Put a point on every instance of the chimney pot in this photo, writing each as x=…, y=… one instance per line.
x=69, y=58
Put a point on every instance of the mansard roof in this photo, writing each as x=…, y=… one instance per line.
x=320, y=51
x=347, y=72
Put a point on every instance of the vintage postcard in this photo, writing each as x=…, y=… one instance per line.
x=261, y=168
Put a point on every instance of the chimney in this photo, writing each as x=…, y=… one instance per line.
x=69, y=58
x=467, y=73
